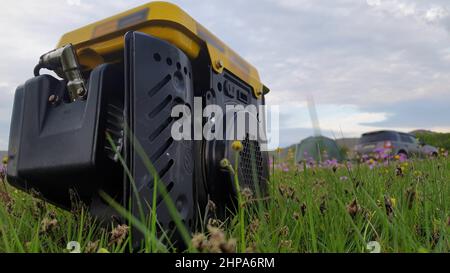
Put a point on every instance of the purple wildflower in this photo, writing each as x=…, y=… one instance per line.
x=311, y=162
x=349, y=165
x=403, y=158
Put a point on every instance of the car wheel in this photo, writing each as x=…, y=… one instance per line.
x=403, y=153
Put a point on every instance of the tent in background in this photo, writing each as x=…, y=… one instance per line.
x=318, y=148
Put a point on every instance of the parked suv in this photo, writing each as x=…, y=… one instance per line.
x=395, y=143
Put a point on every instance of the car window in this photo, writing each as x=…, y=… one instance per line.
x=406, y=138
x=413, y=139
x=378, y=136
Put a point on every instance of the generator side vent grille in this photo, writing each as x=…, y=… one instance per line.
x=251, y=164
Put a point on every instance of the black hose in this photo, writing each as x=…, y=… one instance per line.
x=37, y=69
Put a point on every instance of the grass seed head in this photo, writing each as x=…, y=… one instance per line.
x=247, y=193
x=10, y=207
x=389, y=206
x=353, y=208
x=92, y=247
x=229, y=246
x=199, y=242
x=118, y=235
x=218, y=243
x=39, y=208
x=214, y=223
x=216, y=240
x=284, y=231
x=216, y=234
x=303, y=209
x=254, y=225
x=52, y=214
x=5, y=197
x=286, y=244
x=28, y=246
x=286, y=191
x=48, y=225
x=251, y=248
x=435, y=238
x=211, y=206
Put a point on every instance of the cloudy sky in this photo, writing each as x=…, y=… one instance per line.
x=369, y=64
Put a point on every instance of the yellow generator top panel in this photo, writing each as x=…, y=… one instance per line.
x=168, y=22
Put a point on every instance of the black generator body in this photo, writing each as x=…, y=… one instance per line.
x=63, y=148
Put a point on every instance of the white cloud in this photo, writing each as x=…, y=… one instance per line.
x=373, y=3
x=331, y=116
x=435, y=14
x=426, y=11
x=394, y=7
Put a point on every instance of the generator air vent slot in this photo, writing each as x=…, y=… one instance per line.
x=160, y=107
x=161, y=150
x=159, y=86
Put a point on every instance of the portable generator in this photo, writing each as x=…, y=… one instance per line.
x=116, y=83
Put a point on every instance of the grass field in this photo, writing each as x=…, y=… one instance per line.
x=403, y=206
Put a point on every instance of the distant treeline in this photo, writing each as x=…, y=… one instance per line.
x=439, y=140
